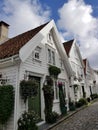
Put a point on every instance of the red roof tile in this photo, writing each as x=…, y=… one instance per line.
x=13, y=45
x=67, y=46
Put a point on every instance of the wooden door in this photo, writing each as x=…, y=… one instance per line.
x=34, y=102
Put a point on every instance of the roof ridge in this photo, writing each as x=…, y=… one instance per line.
x=30, y=30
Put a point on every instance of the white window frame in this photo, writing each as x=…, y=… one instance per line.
x=36, y=52
x=51, y=56
x=49, y=38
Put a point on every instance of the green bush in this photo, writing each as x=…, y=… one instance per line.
x=52, y=117
x=94, y=96
x=6, y=102
x=83, y=101
x=71, y=106
x=48, y=98
x=88, y=99
x=27, y=121
x=78, y=104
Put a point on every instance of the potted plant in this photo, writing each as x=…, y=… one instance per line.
x=28, y=89
x=54, y=71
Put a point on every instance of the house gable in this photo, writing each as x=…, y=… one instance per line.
x=23, y=44
x=40, y=38
x=12, y=46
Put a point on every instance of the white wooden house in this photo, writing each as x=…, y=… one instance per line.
x=95, y=81
x=77, y=88
x=90, y=77
x=29, y=55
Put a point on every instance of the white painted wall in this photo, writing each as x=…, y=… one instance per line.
x=89, y=79
x=40, y=68
x=78, y=69
x=11, y=74
x=96, y=79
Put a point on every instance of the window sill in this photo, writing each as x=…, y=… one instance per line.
x=37, y=60
x=51, y=64
x=56, y=101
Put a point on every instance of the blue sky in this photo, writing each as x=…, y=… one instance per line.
x=74, y=19
x=56, y=4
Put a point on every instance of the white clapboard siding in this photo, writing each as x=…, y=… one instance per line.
x=11, y=74
x=41, y=68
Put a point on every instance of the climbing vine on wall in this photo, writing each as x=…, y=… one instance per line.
x=62, y=99
x=6, y=102
x=48, y=96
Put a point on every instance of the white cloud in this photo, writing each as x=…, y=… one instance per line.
x=23, y=15
x=76, y=18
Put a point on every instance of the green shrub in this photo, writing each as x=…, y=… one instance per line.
x=48, y=98
x=94, y=96
x=6, y=102
x=52, y=117
x=88, y=99
x=27, y=121
x=83, y=101
x=78, y=104
x=71, y=106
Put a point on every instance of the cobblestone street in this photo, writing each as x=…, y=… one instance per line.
x=86, y=119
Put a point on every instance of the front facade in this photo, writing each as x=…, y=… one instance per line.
x=95, y=81
x=77, y=88
x=89, y=76
x=28, y=56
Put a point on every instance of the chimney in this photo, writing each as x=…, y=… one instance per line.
x=3, y=31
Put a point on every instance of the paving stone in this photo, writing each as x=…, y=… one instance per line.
x=86, y=119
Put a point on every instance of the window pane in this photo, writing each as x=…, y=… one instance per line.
x=49, y=55
x=56, y=90
x=53, y=58
x=36, y=55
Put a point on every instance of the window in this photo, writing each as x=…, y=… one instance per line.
x=61, y=64
x=51, y=57
x=56, y=90
x=36, y=53
x=50, y=39
x=64, y=89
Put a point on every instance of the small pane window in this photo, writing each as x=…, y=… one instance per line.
x=64, y=89
x=56, y=90
x=53, y=58
x=49, y=55
x=61, y=64
x=37, y=55
x=50, y=40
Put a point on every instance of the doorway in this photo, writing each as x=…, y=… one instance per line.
x=34, y=103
